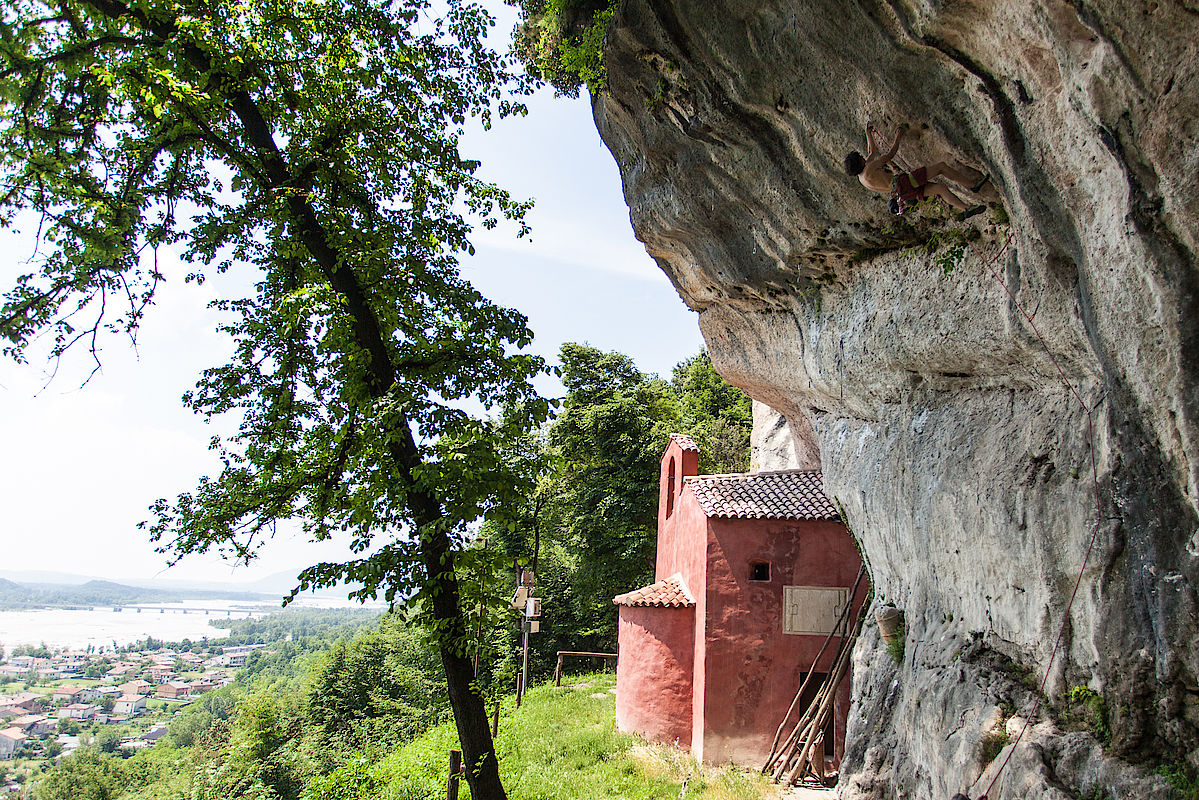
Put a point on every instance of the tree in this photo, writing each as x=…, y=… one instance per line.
x=107, y=740
x=609, y=437
x=592, y=514
x=374, y=691
x=718, y=415
x=594, y=511
x=86, y=774
x=314, y=147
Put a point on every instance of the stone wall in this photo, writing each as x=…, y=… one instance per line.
x=954, y=432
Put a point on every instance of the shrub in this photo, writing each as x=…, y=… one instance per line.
x=1085, y=709
x=895, y=647
x=992, y=745
x=1182, y=778
x=561, y=42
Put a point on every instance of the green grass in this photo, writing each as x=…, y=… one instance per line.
x=561, y=744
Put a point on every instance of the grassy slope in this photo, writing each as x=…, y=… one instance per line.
x=562, y=744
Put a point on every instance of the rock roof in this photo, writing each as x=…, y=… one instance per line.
x=671, y=592
x=787, y=494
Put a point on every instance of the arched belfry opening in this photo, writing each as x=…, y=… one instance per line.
x=671, y=487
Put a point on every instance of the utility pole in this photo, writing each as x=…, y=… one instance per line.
x=530, y=608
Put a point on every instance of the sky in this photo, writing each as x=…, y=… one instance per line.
x=81, y=464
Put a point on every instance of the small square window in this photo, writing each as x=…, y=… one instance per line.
x=759, y=571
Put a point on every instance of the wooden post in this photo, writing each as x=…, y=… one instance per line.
x=558, y=672
x=839, y=630
x=451, y=787
x=524, y=658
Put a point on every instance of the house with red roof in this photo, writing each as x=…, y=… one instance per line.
x=173, y=690
x=752, y=571
x=70, y=694
x=11, y=740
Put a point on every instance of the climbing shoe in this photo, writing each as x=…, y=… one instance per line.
x=970, y=212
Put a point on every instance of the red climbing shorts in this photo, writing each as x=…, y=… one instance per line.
x=909, y=187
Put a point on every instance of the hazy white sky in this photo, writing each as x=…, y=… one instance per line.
x=81, y=465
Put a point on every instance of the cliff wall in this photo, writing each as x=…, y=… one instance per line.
x=964, y=442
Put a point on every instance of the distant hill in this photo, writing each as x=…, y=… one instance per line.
x=15, y=588
x=18, y=596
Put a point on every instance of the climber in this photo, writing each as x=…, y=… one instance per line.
x=909, y=188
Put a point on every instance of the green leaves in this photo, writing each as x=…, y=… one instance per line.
x=314, y=147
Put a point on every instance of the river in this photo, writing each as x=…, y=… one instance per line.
x=105, y=627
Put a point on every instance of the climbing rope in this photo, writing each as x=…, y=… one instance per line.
x=990, y=265
x=881, y=147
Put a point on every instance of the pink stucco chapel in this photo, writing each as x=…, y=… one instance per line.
x=751, y=571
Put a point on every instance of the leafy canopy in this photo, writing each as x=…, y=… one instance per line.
x=313, y=145
x=593, y=515
x=561, y=42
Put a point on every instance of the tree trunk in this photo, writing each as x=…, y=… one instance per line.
x=482, y=769
x=470, y=714
x=474, y=732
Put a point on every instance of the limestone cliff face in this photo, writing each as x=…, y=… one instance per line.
x=955, y=436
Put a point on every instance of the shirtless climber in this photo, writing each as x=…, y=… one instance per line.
x=909, y=188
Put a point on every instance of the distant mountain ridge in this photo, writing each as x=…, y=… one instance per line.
x=273, y=587
x=16, y=595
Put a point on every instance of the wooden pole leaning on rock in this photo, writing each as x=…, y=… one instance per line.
x=777, y=748
x=808, y=730
x=829, y=691
x=811, y=723
x=839, y=630
x=804, y=725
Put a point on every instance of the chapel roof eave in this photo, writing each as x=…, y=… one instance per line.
x=671, y=592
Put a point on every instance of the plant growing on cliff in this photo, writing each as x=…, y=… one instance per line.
x=895, y=647
x=311, y=147
x=1085, y=709
x=1182, y=778
x=561, y=42
x=946, y=248
x=992, y=745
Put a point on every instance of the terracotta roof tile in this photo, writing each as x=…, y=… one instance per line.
x=685, y=442
x=787, y=494
x=671, y=592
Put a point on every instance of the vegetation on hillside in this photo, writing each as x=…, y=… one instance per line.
x=561, y=42
x=561, y=744
x=365, y=722
x=592, y=520
x=311, y=149
x=337, y=707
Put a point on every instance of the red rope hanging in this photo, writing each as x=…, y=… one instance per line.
x=990, y=265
